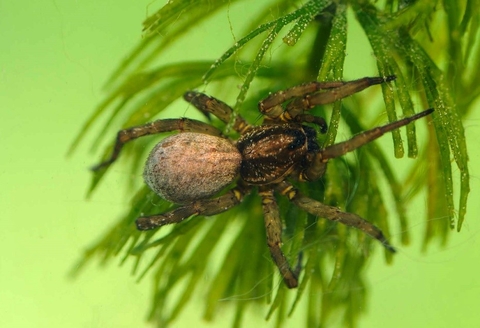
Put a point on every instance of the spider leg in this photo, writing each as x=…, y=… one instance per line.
x=307, y=96
x=205, y=207
x=217, y=107
x=308, y=118
x=159, y=126
x=317, y=169
x=272, y=105
x=331, y=213
x=309, y=101
x=273, y=226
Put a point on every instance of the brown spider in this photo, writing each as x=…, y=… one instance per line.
x=194, y=165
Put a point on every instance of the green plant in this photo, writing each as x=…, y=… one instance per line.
x=430, y=47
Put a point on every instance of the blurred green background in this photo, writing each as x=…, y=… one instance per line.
x=54, y=58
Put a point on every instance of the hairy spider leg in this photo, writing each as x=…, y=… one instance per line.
x=308, y=95
x=218, y=108
x=331, y=213
x=206, y=207
x=323, y=97
x=308, y=118
x=273, y=226
x=201, y=101
x=317, y=169
x=271, y=106
x=158, y=126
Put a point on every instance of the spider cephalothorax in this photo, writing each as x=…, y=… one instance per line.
x=192, y=167
x=270, y=153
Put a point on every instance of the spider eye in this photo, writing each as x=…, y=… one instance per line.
x=298, y=141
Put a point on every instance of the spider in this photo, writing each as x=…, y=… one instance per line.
x=190, y=168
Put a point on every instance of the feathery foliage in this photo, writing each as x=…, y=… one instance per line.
x=429, y=45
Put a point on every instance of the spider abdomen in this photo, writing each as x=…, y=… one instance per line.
x=191, y=166
x=272, y=152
